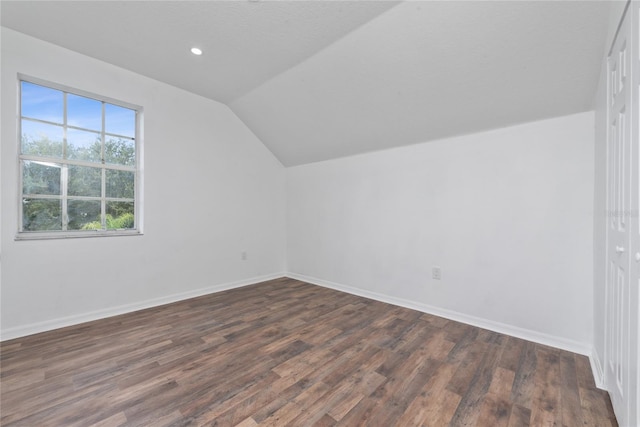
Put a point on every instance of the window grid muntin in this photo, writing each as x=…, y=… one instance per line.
x=47, y=122
x=65, y=163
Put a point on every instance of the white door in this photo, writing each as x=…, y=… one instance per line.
x=634, y=229
x=617, y=350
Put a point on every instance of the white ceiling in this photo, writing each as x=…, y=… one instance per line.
x=316, y=80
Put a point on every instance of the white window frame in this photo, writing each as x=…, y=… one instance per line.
x=138, y=183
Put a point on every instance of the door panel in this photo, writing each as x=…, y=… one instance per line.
x=619, y=165
x=633, y=374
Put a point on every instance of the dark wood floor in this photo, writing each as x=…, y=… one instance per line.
x=289, y=353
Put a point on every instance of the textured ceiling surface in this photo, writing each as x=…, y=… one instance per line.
x=316, y=80
x=245, y=43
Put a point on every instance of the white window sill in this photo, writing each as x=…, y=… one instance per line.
x=34, y=235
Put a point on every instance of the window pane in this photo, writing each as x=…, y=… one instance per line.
x=41, y=214
x=43, y=103
x=85, y=181
x=120, y=120
x=83, y=145
x=40, y=139
x=120, y=215
x=120, y=151
x=120, y=184
x=40, y=178
x=84, y=112
x=84, y=215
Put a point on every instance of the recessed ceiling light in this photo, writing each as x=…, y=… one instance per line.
x=196, y=51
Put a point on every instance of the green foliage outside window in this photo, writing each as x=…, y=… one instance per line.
x=44, y=178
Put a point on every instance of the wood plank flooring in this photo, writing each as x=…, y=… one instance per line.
x=285, y=353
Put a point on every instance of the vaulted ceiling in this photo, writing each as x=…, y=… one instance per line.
x=316, y=80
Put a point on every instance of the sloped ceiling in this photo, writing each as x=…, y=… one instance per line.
x=316, y=80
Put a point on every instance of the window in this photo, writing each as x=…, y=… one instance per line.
x=79, y=157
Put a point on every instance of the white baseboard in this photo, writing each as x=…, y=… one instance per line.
x=48, y=325
x=529, y=335
x=525, y=334
x=598, y=370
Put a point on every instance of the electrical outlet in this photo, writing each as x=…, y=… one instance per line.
x=243, y=256
x=436, y=273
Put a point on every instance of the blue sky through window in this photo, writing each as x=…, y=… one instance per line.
x=120, y=120
x=43, y=103
x=84, y=112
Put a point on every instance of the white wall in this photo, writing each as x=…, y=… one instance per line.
x=507, y=214
x=212, y=190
